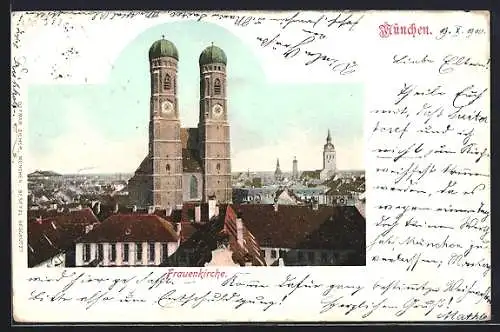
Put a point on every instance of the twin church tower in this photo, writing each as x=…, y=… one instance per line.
x=185, y=164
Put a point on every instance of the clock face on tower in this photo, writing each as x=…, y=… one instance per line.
x=217, y=111
x=167, y=107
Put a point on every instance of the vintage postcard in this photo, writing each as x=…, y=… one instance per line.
x=174, y=166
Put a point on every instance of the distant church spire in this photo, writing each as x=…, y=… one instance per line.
x=295, y=169
x=277, y=173
x=329, y=137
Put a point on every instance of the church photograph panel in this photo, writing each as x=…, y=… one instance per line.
x=213, y=164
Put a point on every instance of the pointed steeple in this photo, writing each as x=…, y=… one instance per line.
x=329, y=137
x=277, y=172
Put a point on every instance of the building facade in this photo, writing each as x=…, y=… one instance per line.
x=185, y=164
x=131, y=239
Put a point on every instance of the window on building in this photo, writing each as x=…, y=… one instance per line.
x=125, y=252
x=100, y=251
x=165, y=252
x=138, y=251
x=324, y=257
x=112, y=253
x=217, y=86
x=86, y=252
x=273, y=253
x=193, y=187
x=151, y=252
x=218, y=167
x=300, y=256
x=282, y=253
x=262, y=253
x=310, y=256
x=168, y=167
x=167, y=84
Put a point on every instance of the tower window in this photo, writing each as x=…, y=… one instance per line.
x=218, y=167
x=168, y=167
x=193, y=187
x=217, y=87
x=154, y=82
x=166, y=82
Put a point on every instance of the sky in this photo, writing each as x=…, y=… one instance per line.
x=103, y=128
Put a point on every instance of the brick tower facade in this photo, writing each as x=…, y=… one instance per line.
x=214, y=126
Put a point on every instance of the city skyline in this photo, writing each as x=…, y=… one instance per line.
x=85, y=117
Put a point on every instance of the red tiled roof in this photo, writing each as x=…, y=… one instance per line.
x=187, y=230
x=250, y=250
x=189, y=138
x=56, y=234
x=191, y=161
x=302, y=227
x=84, y=216
x=132, y=228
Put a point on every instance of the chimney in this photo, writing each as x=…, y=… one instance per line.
x=197, y=213
x=151, y=209
x=168, y=211
x=134, y=208
x=178, y=228
x=97, y=208
x=212, y=204
x=239, y=231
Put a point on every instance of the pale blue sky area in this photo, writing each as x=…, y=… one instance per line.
x=260, y=112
